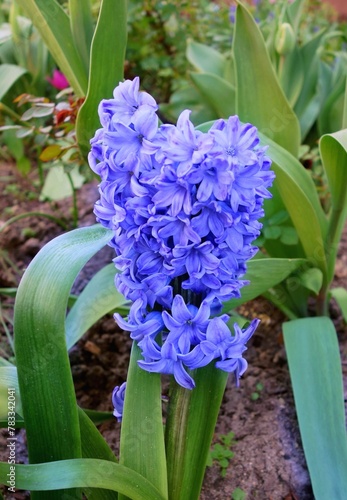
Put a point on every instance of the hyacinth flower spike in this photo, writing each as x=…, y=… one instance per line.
x=184, y=207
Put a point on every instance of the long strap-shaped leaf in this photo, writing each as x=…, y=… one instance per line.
x=259, y=97
x=81, y=473
x=300, y=197
x=106, y=67
x=44, y=375
x=81, y=21
x=315, y=370
x=54, y=26
x=142, y=435
x=333, y=149
x=98, y=298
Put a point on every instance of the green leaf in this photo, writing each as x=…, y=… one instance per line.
x=50, y=152
x=312, y=279
x=315, y=370
x=206, y=59
x=82, y=473
x=106, y=67
x=259, y=97
x=333, y=149
x=142, y=435
x=340, y=295
x=8, y=380
x=263, y=274
x=54, y=27
x=81, y=21
x=9, y=74
x=219, y=93
x=57, y=185
x=44, y=375
x=97, y=299
x=190, y=425
x=94, y=446
x=299, y=195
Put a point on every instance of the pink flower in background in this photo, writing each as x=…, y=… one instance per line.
x=58, y=80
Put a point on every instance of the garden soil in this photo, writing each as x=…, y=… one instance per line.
x=268, y=461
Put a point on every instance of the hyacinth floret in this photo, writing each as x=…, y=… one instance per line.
x=184, y=207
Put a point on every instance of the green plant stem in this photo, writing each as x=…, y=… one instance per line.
x=13, y=114
x=33, y=214
x=74, y=201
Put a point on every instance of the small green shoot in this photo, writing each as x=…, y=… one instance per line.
x=256, y=394
x=221, y=452
x=238, y=494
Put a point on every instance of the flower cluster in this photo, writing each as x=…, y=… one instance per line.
x=183, y=206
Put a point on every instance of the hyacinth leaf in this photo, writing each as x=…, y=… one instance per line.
x=82, y=28
x=106, y=67
x=94, y=446
x=262, y=103
x=9, y=74
x=315, y=370
x=206, y=59
x=142, y=437
x=333, y=149
x=99, y=297
x=44, y=375
x=191, y=415
x=81, y=473
x=340, y=295
x=219, y=93
x=54, y=27
x=8, y=381
x=264, y=274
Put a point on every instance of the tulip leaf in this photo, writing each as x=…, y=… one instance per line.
x=315, y=369
x=264, y=273
x=206, y=59
x=340, y=295
x=106, y=67
x=259, y=97
x=218, y=93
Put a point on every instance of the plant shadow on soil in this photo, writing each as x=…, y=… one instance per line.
x=268, y=462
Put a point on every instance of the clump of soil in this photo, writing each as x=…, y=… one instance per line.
x=268, y=462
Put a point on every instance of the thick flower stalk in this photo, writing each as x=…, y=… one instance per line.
x=184, y=207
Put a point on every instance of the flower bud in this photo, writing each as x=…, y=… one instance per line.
x=285, y=39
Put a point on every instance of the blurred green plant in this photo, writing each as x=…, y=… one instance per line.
x=221, y=452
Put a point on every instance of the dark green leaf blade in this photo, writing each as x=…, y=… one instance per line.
x=44, y=375
x=259, y=97
x=106, y=67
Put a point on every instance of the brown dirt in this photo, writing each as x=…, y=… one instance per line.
x=268, y=463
